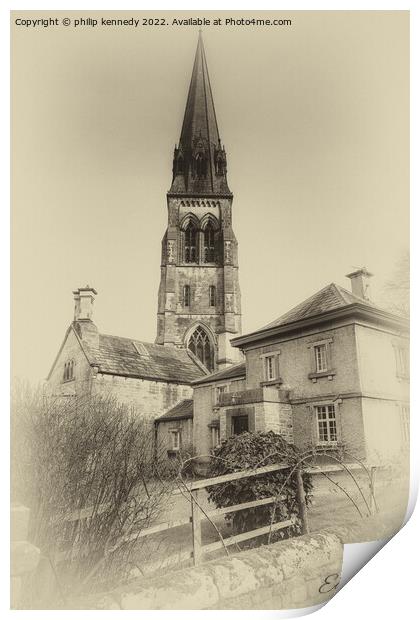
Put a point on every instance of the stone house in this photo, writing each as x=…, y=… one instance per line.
x=333, y=370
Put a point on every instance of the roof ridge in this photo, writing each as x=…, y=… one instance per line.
x=339, y=290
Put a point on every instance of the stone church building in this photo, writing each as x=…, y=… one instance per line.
x=199, y=307
x=333, y=370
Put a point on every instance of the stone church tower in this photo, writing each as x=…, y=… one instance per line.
x=199, y=298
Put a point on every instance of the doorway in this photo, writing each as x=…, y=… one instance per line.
x=239, y=424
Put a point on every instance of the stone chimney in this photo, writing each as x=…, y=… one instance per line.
x=83, y=303
x=360, y=282
x=83, y=311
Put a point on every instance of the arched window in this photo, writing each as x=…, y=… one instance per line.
x=209, y=239
x=190, y=246
x=199, y=343
x=186, y=295
x=68, y=374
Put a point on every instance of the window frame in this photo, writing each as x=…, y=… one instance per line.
x=272, y=377
x=175, y=445
x=68, y=371
x=329, y=421
x=218, y=392
x=321, y=357
x=186, y=296
x=212, y=296
x=191, y=243
x=209, y=243
x=326, y=345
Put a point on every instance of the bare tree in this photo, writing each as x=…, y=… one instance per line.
x=90, y=472
x=396, y=291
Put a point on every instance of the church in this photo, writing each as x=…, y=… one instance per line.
x=332, y=371
x=199, y=306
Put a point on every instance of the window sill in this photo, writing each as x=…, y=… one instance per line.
x=314, y=376
x=328, y=444
x=68, y=380
x=403, y=377
x=277, y=381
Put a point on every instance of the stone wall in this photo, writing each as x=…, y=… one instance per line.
x=71, y=351
x=296, y=360
x=150, y=398
x=300, y=572
x=350, y=428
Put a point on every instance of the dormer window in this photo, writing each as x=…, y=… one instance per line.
x=68, y=374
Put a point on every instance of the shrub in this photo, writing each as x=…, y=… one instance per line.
x=252, y=450
x=76, y=453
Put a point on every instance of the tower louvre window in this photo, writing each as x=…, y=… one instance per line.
x=209, y=243
x=186, y=295
x=190, y=247
x=199, y=344
x=212, y=296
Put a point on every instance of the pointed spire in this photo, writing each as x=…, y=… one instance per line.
x=200, y=115
x=199, y=144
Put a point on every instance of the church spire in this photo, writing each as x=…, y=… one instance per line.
x=199, y=160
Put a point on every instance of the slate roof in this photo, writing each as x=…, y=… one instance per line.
x=132, y=358
x=329, y=298
x=182, y=410
x=232, y=372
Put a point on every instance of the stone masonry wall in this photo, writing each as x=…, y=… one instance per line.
x=71, y=351
x=300, y=572
x=150, y=398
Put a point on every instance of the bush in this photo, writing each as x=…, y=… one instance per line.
x=252, y=450
x=76, y=453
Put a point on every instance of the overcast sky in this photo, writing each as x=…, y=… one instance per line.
x=314, y=118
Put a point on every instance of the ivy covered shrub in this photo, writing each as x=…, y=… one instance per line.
x=249, y=451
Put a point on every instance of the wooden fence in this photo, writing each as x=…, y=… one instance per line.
x=198, y=515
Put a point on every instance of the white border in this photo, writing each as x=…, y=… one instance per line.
x=387, y=586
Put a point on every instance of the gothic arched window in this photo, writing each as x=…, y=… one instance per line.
x=190, y=245
x=209, y=244
x=199, y=343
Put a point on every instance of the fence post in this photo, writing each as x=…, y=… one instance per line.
x=301, y=498
x=196, y=528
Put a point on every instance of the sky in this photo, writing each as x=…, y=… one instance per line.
x=314, y=119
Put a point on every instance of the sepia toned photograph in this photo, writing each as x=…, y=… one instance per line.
x=210, y=304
